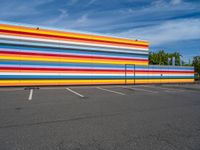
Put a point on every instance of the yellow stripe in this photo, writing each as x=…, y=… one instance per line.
x=70, y=34
x=70, y=60
x=163, y=80
x=84, y=82
x=57, y=82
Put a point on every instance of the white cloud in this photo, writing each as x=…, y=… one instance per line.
x=88, y=2
x=148, y=23
x=175, y=2
x=166, y=32
x=62, y=16
x=163, y=3
x=91, y=2
x=72, y=2
x=83, y=19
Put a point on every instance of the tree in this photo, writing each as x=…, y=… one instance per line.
x=196, y=64
x=161, y=58
x=177, y=56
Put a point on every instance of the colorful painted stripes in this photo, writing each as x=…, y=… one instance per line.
x=68, y=36
x=32, y=56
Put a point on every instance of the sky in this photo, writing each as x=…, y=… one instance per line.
x=170, y=25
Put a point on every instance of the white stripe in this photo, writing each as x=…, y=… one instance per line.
x=66, y=42
x=97, y=67
x=74, y=92
x=139, y=89
x=60, y=74
x=64, y=30
x=168, y=69
x=168, y=89
x=30, y=95
x=103, y=49
x=64, y=67
x=165, y=75
x=93, y=74
x=110, y=91
x=75, y=54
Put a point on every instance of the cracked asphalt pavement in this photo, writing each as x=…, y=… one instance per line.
x=140, y=117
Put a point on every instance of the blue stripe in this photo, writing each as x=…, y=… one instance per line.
x=171, y=67
x=70, y=51
x=56, y=64
x=86, y=65
x=40, y=44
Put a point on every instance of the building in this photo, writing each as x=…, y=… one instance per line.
x=33, y=56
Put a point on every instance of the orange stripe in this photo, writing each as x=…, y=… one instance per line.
x=70, y=34
x=81, y=59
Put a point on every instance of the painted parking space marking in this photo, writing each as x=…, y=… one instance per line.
x=120, y=93
x=140, y=89
x=164, y=88
x=80, y=95
x=30, y=95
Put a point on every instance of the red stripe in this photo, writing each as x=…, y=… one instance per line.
x=57, y=69
x=70, y=38
x=66, y=55
x=96, y=70
x=170, y=71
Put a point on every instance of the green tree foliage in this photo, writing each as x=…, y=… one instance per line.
x=196, y=64
x=161, y=58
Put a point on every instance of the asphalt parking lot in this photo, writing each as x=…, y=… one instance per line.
x=139, y=117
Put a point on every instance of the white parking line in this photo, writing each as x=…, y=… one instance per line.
x=110, y=91
x=75, y=92
x=173, y=89
x=167, y=89
x=139, y=89
x=30, y=95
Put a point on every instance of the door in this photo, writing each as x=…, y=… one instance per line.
x=129, y=74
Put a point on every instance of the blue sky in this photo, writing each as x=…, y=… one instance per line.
x=172, y=25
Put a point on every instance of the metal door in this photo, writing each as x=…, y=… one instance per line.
x=129, y=74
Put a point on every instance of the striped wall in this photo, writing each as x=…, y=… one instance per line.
x=36, y=56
